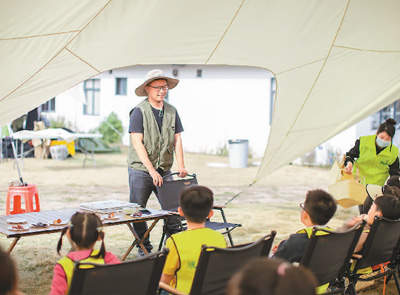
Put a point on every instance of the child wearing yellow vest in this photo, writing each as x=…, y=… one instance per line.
x=84, y=231
x=317, y=209
x=387, y=206
x=196, y=204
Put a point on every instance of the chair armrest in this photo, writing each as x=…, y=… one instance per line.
x=219, y=207
x=169, y=289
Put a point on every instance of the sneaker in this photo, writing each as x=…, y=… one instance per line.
x=141, y=252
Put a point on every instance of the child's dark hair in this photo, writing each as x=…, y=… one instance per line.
x=8, y=274
x=196, y=203
x=85, y=229
x=393, y=180
x=263, y=276
x=388, y=126
x=389, y=205
x=391, y=190
x=320, y=206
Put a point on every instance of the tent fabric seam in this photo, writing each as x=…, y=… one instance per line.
x=314, y=83
x=225, y=32
x=367, y=50
x=82, y=60
x=300, y=66
x=57, y=54
x=38, y=36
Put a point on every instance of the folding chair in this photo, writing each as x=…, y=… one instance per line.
x=168, y=196
x=139, y=276
x=381, y=248
x=217, y=265
x=328, y=254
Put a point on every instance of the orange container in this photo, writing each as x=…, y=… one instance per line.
x=16, y=194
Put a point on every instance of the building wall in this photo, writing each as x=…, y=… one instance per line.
x=225, y=103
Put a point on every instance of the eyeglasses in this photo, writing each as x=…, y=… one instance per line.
x=302, y=207
x=159, y=88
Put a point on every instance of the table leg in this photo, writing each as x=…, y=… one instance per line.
x=139, y=241
x=13, y=244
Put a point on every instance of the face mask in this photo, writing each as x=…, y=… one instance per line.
x=382, y=143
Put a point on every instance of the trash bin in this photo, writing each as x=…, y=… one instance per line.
x=238, y=153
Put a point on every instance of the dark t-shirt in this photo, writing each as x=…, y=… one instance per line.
x=136, y=121
x=293, y=248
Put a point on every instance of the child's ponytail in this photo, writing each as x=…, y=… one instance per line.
x=59, y=244
x=102, y=252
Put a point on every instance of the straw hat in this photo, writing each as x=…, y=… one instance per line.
x=155, y=75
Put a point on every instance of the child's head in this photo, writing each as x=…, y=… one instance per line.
x=196, y=203
x=387, y=206
x=319, y=207
x=263, y=276
x=8, y=274
x=83, y=232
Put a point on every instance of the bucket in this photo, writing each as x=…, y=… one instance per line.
x=238, y=153
x=59, y=152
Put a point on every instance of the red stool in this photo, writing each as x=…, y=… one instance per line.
x=16, y=193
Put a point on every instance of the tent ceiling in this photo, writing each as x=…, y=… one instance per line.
x=335, y=61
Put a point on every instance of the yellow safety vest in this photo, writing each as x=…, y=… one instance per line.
x=68, y=265
x=308, y=230
x=374, y=168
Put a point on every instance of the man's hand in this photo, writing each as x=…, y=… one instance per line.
x=157, y=178
x=349, y=167
x=182, y=172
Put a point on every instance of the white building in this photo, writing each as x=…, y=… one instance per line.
x=215, y=103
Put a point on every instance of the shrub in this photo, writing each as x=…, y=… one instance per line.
x=111, y=129
x=60, y=122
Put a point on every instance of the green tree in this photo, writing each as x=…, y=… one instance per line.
x=111, y=129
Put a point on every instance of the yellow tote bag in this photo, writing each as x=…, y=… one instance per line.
x=347, y=191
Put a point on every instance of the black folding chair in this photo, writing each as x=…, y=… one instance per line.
x=140, y=276
x=380, y=248
x=217, y=265
x=168, y=196
x=328, y=254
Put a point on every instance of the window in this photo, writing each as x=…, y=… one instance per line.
x=272, y=98
x=390, y=111
x=91, y=89
x=175, y=72
x=121, y=86
x=199, y=73
x=49, y=106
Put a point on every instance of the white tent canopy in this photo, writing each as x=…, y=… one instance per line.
x=335, y=61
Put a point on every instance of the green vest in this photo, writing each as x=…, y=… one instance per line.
x=374, y=168
x=68, y=265
x=159, y=146
x=308, y=230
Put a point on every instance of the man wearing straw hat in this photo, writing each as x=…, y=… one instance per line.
x=155, y=132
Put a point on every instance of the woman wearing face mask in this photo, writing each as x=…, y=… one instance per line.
x=375, y=157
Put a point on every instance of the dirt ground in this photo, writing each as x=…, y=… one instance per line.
x=271, y=204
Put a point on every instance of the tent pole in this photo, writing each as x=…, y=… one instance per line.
x=16, y=157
